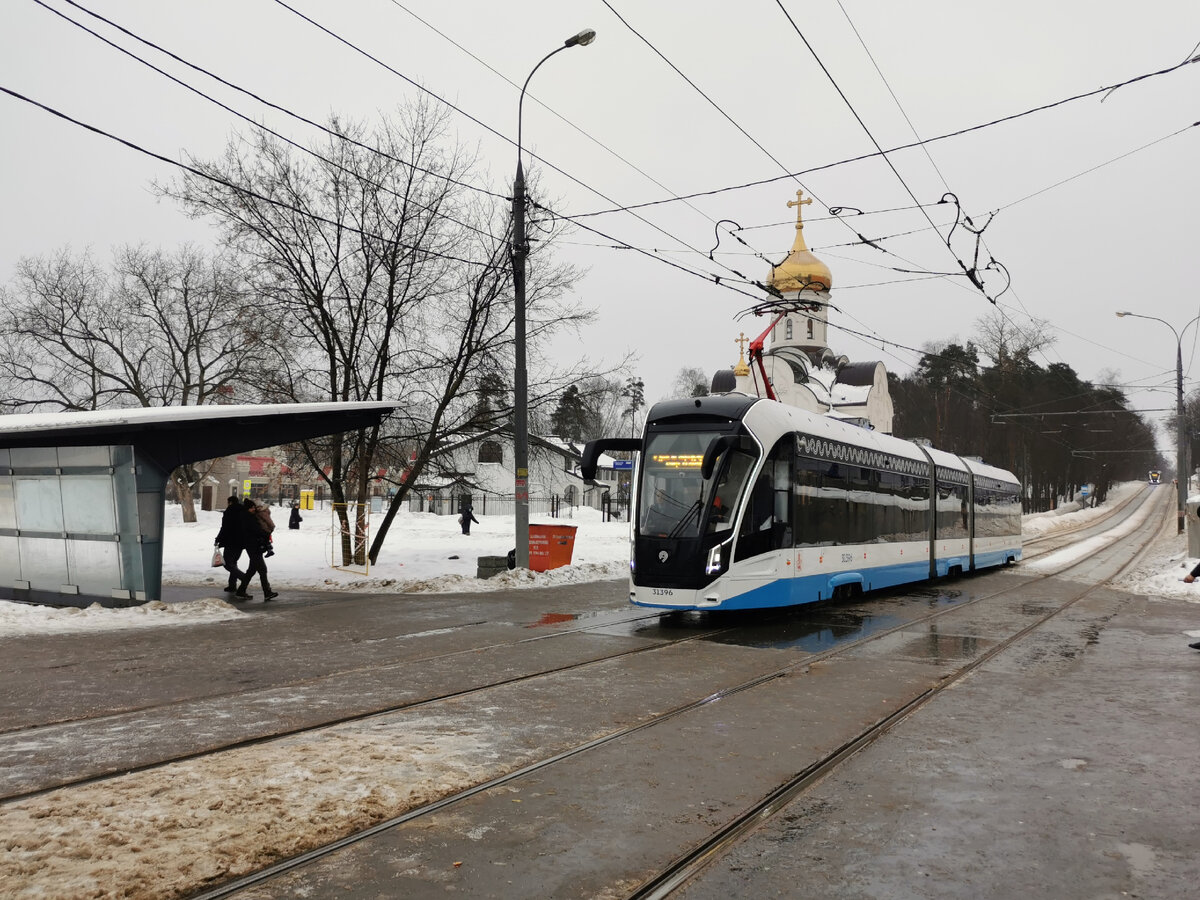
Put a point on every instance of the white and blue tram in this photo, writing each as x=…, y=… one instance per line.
x=746, y=503
x=1155, y=476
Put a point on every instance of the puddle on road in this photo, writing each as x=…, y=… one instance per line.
x=934, y=647
x=553, y=619
x=799, y=631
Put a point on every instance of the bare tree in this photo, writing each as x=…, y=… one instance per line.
x=1008, y=343
x=392, y=281
x=690, y=381
x=159, y=329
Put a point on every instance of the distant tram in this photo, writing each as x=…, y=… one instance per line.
x=1155, y=476
x=747, y=503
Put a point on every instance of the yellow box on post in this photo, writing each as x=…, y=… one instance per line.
x=306, y=499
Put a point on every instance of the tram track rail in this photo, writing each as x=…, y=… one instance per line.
x=333, y=721
x=30, y=732
x=691, y=864
x=1047, y=543
x=688, y=865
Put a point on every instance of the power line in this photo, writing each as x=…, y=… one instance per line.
x=909, y=146
x=969, y=272
x=729, y=118
x=1096, y=167
x=248, y=93
x=229, y=184
x=553, y=112
x=284, y=138
x=482, y=125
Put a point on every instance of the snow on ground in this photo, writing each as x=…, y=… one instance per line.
x=422, y=552
x=1069, y=515
x=427, y=553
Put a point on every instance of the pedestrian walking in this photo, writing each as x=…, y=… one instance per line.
x=295, y=518
x=267, y=525
x=467, y=517
x=255, y=536
x=230, y=538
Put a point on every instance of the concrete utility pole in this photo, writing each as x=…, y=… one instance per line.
x=520, y=250
x=1182, y=470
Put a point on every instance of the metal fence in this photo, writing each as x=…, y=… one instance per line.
x=554, y=506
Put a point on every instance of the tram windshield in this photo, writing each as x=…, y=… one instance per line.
x=674, y=500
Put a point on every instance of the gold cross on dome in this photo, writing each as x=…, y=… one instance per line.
x=741, y=368
x=798, y=203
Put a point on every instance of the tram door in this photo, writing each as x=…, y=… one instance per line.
x=765, y=541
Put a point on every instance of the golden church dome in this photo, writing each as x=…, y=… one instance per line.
x=801, y=271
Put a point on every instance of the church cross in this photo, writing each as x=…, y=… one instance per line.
x=798, y=203
x=741, y=341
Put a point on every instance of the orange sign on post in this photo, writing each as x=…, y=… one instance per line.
x=550, y=546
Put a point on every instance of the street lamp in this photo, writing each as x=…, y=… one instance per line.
x=520, y=250
x=1181, y=469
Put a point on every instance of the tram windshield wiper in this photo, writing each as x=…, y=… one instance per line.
x=693, y=510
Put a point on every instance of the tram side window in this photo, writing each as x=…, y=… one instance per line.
x=918, y=507
x=952, y=511
x=861, y=506
x=1010, y=516
x=983, y=512
x=997, y=512
x=767, y=522
x=891, y=498
x=821, y=515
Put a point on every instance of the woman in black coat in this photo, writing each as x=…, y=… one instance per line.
x=467, y=517
x=231, y=538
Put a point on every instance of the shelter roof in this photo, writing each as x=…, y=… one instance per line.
x=175, y=435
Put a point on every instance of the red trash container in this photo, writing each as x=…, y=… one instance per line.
x=550, y=546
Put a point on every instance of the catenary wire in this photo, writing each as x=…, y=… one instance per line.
x=909, y=146
x=284, y=138
x=728, y=117
x=213, y=178
x=549, y=109
x=970, y=272
x=259, y=98
x=481, y=124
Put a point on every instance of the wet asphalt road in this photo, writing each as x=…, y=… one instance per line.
x=1066, y=766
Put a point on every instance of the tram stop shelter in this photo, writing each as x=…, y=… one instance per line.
x=82, y=494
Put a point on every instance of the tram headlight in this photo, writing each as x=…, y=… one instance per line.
x=717, y=558
x=632, y=557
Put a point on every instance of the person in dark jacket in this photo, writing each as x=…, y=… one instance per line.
x=295, y=518
x=254, y=537
x=467, y=517
x=231, y=541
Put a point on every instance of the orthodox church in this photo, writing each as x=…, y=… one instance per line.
x=800, y=367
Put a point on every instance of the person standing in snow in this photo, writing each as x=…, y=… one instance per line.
x=467, y=517
x=295, y=518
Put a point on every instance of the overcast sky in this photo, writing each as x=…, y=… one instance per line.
x=628, y=128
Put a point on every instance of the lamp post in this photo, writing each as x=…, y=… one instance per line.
x=1181, y=468
x=520, y=250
